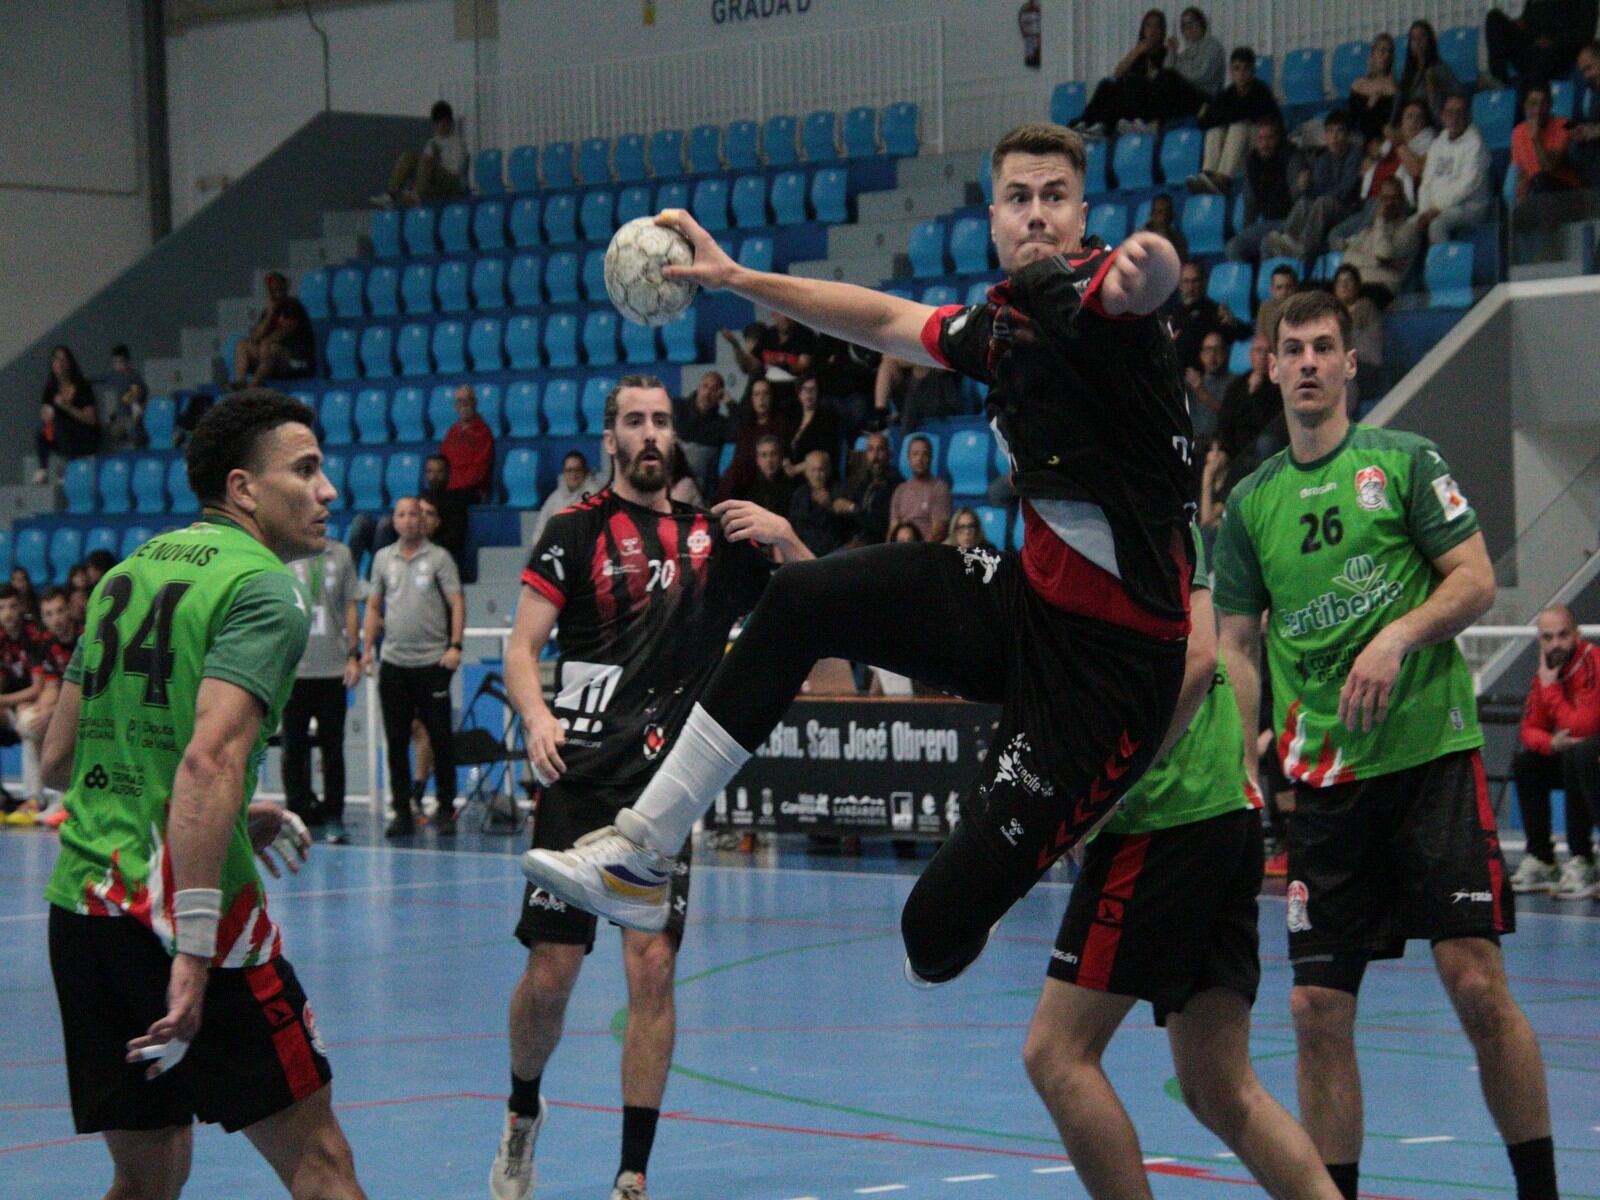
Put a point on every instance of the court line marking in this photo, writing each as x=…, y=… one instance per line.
x=1052, y=1170
x=1424, y=1141
x=882, y=1187
x=965, y=1178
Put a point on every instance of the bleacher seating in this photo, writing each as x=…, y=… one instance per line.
x=372, y=416
x=750, y=201
x=820, y=136
x=489, y=282
x=592, y=402
x=1067, y=101
x=594, y=160
x=628, y=158
x=555, y=165
x=778, y=141
x=419, y=228
x=1302, y=76
x=1458, y=50
x=524, y=169
x=180, y=497
x=383, y=291
x=1108, y=222
x=666, y=153
x=160, y=420
x=78, y=483
x=1202, y=221
x=1230, y=284
x=1494, y=112
x=1181, y=151
x=384, y=232
x=900, y=134
x=522, y=343
x=416, y=289
x=705, y=149
x=1133, y=161
x=1349, y=63
x=830, y=196
x=406, y=411
x=488, y=176
x=525, y=222
x=926, y=250
x=455, y=228
x=1447, y=274
x=789, y=198
x=313, y=293
x=710, y=204
x=441, y=409
x=450, y=285
x=861, y=132
x=522, y=409
x=739, y=146
x=560, y=408
x=595, y=215
x=483, y=344
x=520, y=475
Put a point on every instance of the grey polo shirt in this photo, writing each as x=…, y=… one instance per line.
x=415, y=594
x=330, y=581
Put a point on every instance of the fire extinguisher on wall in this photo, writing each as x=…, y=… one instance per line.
x=1028, y=21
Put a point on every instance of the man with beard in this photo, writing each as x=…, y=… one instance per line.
x=645, y=590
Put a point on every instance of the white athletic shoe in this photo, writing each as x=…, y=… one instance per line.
x=1578, y=879
x=513, y=1175
x=630, y=1186
x=608, y=874
x=1533, y=875
x=917, y=981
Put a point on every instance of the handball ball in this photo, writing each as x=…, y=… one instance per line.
x=634, y=260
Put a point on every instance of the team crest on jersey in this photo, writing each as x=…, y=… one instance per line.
x=655, y=741
x=1372, y=488
x=699, y=542
x=1451, y=502
x=631, y=545
x=1299, y=901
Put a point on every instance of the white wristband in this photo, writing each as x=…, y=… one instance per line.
x=196, y=912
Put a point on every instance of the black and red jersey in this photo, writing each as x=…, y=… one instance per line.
x=54, y=655
x=20, y=654
x=1091, y=411
x=647, y=600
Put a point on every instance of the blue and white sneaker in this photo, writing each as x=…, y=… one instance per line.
x=608, y=874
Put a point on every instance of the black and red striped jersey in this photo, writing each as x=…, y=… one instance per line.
x=20, y=655
x=53, y=657
x=647, y=600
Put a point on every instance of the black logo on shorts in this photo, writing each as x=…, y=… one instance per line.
x=96, y=778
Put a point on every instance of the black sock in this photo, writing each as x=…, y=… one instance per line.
x=1345, y=1177
x=638, y=1135
x=525, y=1096
x=1534, y=1164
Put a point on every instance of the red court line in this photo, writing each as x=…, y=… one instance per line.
x=65, y=1141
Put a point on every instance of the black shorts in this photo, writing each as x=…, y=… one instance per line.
x=563, y=813
x=1378, y=862
x=1167, y=915
x=257, y=1053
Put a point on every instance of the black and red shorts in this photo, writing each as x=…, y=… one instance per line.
x=1164, y=916
x=257, y=1052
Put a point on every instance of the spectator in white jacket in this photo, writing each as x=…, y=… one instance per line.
x=1454, y=192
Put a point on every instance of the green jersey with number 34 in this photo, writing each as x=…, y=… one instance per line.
x=207, y=601
x=1336, y=549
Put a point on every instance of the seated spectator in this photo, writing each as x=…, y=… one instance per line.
x=1207, y=385
x=1539, y=147
x=55, y=652
x=1426, y=77
x=906, y=532
x=869, y=493
x=1372, y=96
x=1164, y=220
x=769, y=487
x=702, y=428
x=780, y=353
x=576, y=483
x=95, y=566
x=759, y=421
x=966, y=531
x=923, y=500
x=1250, y=428
x=437, y=174
x=469, y=447
x=369, y=534
x=916, y=392
x=280, y=345
x=1267, y=195
x=1560, y=737
x=1540, y=44
x=1454, y=192
x=1285, y=282
x=23, y=582
x=1401, y=154
x=69, y=418
x=845, y=375
x=21, y=650
x=1383, y=252
x=1192, y=315
x=1366, y=336
x=125, y=426
x=1326, y=185
x=819, y=430
x=811, y=507
x=1125, y=94
x=1199, y=67
x=1584, y=148
x=1227, y=121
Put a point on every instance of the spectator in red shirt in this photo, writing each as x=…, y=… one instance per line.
x=469, y=448
x=1560, y=744
x=1539, y=147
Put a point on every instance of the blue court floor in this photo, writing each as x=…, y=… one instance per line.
x=805, y=1066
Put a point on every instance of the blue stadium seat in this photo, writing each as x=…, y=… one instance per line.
x=1327, y=265
x=926, y=249
x=345, y=291
x=739, y=146
x=525, y=222
x=384, y=231
x=1508, y=187
x=372, y=417
x=483, y=344
x=639, y=341
x=592, y=405
x=560, y=220
x=561, y=277
x=490, y=403
x=412, y=345
x=1239, y=357
x=561, y=408
x=594, y=215
x=593, y=275
x=524, y=169
x=149, y=485
x=341, y=354
x=1134, y=161
x=521, y=478
x=66, y=551
x=522, y=343
x=522, y=409
x=377, y=352
x=402, y=474
x=995, y=521
x=555, y=165
x=1094, y=179
x=594, y=160
x=182, y=497
x=1230, y=284
x=1237, y=216
x=313, y=293
x=101, y=537
x=978, y=291
x=666, y=153
x=1447, y=274
x=1181, y=152
x=861, y=132
x=778, y=141
x=416, y=289
x=632, y=204
x=336, y=415
x=1564, y=98
x=937, y=295
x=755, y=253
x=1067, y=101
x=678, y=339
x=1141, y=215
x=160, y=420
x=1108, y=222
x=334, y=467
x=1349, y=64
x=1458, y=49
x=710, y=204
x=900, y=128
x=830, y=198
x=1264, y=276
x=383, y=291
x=561, y=340
x=933, y=444
x=489, y=225
x=133, y=537
x=78, y=482
x=450, y=284
x=985, y=175
x=789, y=198
x=420, y=227
x=112, y=485
x=407, y=413
x=1494, y=112
x=600, y=338
x=441, y=408
x=672, y=195
x=364, y=479
x=488, y=174
x=969, y=245
x=1302, y=75
x=524, y=280
x=5, y=551
x=968, y=462
x=489, y=282
x=455, y=227
x=449, y=348
x=820, y=136
x=1265, y=67
x=705, y=149
x=629, y=158
x=750, y=201
x=30, y=550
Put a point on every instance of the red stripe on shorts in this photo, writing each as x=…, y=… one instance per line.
x=1486, y=822
x=289, y=1038
x=1100, y=947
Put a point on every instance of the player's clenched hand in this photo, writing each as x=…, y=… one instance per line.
x=274, y=829
x=1364, y=700
x=711, y=268
x=746, y=521
x=167, y=1040
x=1141, y=276
x=544, y=736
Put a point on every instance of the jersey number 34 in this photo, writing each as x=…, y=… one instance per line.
x=148, y=653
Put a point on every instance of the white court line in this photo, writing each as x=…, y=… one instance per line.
x=965, y=1178
x=882, y=1187
x=1424, y=1141
x=1225, y=1154
x=1052, y=1170
x=1158, y=1162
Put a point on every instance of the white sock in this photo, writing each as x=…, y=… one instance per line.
x=705, y=758
x=30, y=768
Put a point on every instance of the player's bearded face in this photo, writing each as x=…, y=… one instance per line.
x=1038, y=209
x=644, y=442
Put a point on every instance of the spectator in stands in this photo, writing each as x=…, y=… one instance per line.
x=924, y=499
x=1326, y=184
x=1539, y=147
x=22, y=646
x=1164, y=220
x=69, y=418
x=869, y=493
x=702, y=428
x=280, y=345
x=1192, y=315
x=1541, y=43
x=1267, y=193
x=61, y=638
x=575, y=483
x=1200, y=65
x=1207, y=384
x=818, y=430
x=95, y=566
x=1560, y=741
x=759, y=421
x=811, y=507
x=906, y=532
x=1383, y=252
x=125, y=425
x=23, y=582
x=1454, y=192
x=1227, y=121
x=1250, y=427
x=1426, y=76
x=1284, y=282
x=966, y=531
x=1366, y=335
x=917, y=392
x=770, y=486
x=780, y=353
x=469, y=447
x=1128, y=93
x=438, y=173
x=845, y=375
x=449, y=503
x=1372, y=96
x=1584, y=148
x=1402, y=154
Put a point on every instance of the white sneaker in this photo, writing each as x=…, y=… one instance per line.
x=1534, y=875
x=608, y=874
x=1578, y=879
x=629, y=1186
x=513, y=1175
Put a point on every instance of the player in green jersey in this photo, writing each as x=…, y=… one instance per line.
x=1368, y=560
x=1165, y=911
x=176, y=1002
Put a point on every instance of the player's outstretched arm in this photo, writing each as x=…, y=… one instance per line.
x=535, y=619
x=1240, y=645
x=1141, y=276
x=1199, y=667
x=856, y=314
x=60, y=737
